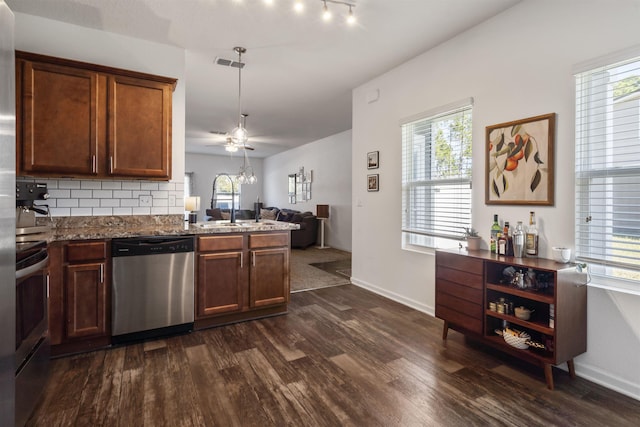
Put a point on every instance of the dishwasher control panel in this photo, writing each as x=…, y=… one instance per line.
x=151, y=245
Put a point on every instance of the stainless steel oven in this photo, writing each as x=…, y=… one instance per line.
x=32, y=340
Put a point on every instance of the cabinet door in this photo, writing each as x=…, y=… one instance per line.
x=62, y=117
x=269, y=277
x=139, y=128
x=86, y=300
x=220, y=280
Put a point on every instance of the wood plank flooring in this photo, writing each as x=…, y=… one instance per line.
x=342, y=357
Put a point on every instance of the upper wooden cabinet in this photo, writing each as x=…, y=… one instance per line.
x=83, y=120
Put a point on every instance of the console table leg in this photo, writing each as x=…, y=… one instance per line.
x=572, y=368
x=548, y=375
x=445, y=330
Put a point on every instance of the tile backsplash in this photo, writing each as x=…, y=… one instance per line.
x=77, y=197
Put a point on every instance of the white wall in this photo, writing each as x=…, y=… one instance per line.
x=112, y=197
x=205, y=168
x=516, y=65
x=330, y=160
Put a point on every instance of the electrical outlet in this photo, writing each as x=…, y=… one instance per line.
x=145, y=200
x=172, y=200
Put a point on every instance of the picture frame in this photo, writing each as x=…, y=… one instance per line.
x=519, y=167
x=372, y=182
x=373, y=160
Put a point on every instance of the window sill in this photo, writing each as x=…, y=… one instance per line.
x=625, y=288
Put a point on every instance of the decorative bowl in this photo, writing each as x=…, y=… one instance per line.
x=519, y=341
x=523, y=313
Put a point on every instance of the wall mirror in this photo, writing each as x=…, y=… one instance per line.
x=292, y=188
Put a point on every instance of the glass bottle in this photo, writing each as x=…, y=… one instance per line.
x=531, y=238
x=501, y=244
x=495, y=230
x=518, y=241
x=507, y=236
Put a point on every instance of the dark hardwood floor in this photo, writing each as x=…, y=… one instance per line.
x=342, y=356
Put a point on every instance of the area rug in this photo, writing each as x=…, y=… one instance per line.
x=314, y=268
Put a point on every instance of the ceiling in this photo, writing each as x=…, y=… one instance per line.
x=300, y=71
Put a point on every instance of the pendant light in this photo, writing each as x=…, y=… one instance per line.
x=246, y=174
x=239, y=135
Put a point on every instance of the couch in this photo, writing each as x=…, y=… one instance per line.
x=308, y=222
x=302, y=238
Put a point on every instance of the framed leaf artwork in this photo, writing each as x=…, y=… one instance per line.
x=519, y=164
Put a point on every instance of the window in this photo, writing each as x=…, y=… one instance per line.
x=436, y=176
x=188, y=184
x=608, y=170
x=223, y=191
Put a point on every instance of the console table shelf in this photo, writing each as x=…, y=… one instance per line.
x=467, y=282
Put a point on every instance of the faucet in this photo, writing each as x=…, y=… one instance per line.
x=233, y=195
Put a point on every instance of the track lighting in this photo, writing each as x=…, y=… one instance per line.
x=326, y=14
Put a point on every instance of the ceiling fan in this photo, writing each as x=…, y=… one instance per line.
x=229, y=143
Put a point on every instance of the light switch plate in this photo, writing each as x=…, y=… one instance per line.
x=172, y=199
x=145, y=200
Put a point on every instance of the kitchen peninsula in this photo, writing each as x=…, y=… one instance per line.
x=240, y=272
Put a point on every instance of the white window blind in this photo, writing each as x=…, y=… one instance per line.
x=436, y=176
x=608, y=170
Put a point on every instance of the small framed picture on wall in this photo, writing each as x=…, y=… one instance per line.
x=373, y=160
x=372, y=182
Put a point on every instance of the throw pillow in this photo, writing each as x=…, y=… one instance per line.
x=284, y=216
x=268, y=214
x=297, y=217
x=226, y=215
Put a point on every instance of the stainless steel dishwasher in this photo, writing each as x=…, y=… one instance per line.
x=153, y=287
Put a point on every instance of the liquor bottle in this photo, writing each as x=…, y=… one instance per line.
x=507, y=236
x=531, y=237
x=495, y=230
x=501, y=244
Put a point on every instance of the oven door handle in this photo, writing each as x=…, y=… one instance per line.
x=32, y=268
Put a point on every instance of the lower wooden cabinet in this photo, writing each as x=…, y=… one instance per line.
x=80, y=295
x=241, y=276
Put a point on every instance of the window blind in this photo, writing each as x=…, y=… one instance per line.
x=608, y=169
x=436, y=176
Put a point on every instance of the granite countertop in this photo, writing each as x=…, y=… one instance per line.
x=86, y=228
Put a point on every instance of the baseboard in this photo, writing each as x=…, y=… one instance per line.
x=590, y=373
x=605, y=379
x=395, y=297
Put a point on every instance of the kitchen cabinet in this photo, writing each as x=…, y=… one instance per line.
x=79, y=317
x=221, y=275
x=83, y=120
x=556, y=296
x=241, y=276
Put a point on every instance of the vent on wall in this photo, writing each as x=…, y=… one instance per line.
x=228, y=62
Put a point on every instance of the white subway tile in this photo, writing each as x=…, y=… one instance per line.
x=149, y=186
x=59, y=194
x=122, y=194
x=133, y=203
x=89, y=203
x=131, y=185
x=111, y=185
x=81, y=194
x=166, y=186
x=61, y=212
x=103, y=194
x=72, y=185
x=159, y=210
x=175, y=210
x=136, y=194
x=141, y=211
x=122, y=211
x=102, y=211
x=90, y=185
x=51, y=183
x=67, y=203
x=160, y=202
x=160, y=194
x=81, y=212
x=109, y=203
